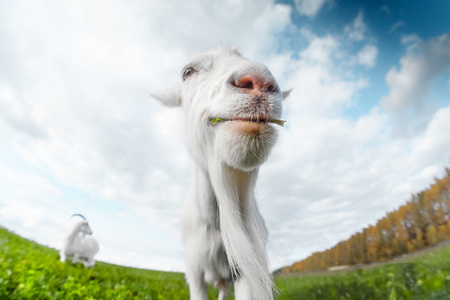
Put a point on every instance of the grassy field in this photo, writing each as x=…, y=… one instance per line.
x=32, y=271
x=424, y=275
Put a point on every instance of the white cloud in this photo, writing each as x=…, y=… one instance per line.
x=322, y=87
x=321, y=50
x=410, y=85
x=397, y=25
x=19, y=213
x=357, y=30
x=15, y=114
x=434, y=146
x=25, y=185
x=412, y=41
x=309, y=8
x=368, y=55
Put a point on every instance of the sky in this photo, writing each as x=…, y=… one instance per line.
x=367, y=121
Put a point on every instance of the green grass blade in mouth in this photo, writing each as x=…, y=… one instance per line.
x=215, y=120
x=278, y=122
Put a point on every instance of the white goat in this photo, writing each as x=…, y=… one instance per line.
x=228, y=103
x=80, y=245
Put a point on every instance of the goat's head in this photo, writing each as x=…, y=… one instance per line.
x=82, y=226
x=229, y=103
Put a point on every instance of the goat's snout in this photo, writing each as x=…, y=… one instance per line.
x=255, y=84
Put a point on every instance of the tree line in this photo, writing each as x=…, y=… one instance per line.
x=423, y=221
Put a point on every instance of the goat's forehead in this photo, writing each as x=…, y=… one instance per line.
x=215, y=56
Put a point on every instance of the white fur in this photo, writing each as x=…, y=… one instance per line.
x=80, y=245
x=223, y=232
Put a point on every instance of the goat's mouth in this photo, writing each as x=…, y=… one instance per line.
x=214, y=121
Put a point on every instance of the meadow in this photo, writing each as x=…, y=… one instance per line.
x=31, y=271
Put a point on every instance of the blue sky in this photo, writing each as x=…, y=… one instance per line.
x=367, y=120
x=386, y=22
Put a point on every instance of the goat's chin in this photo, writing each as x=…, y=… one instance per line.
x=244, y=145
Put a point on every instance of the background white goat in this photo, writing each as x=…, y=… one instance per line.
x=229, y=103
x=80, y=245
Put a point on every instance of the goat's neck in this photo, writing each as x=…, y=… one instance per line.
x=73, y=235
x=244, y=183
x=203, y=197
x=236, y=184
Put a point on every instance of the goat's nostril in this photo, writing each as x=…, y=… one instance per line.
x=256, y=82
x=248, y=81
x=247, y=85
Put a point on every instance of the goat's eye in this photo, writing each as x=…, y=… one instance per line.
x=188, y=72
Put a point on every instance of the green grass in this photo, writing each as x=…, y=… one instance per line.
x=32, y=271
x=425, y=276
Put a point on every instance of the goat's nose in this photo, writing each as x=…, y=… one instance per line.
x=254, y=83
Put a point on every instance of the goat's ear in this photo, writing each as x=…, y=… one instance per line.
x=170, y=96
x=286, y=93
